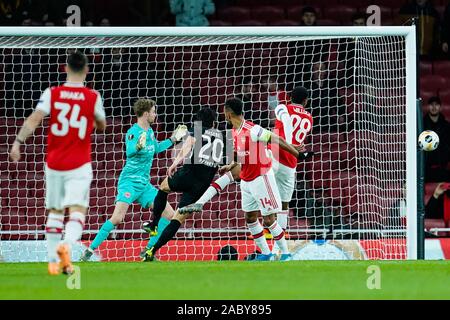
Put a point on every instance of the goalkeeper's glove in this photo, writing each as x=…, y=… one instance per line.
x=305, y=155
x=179, y=133
x=142, y=141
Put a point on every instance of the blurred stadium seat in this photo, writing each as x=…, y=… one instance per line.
x=442, y=68
x=268, y=13
x=234, y=14
x=433, y=82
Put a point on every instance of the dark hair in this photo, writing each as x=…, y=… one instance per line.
x=299, y=94
x=207, y=116
x=308, y=9
x=77, y=61
x=227, y=253
x=359, y=15
x=143, y=105
x=434, y=99
x=235, y=105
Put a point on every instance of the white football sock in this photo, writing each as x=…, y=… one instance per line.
x=216, y=187
x=282, y=218
x=74, y=228
x=278, y=236
x=53, y=234
x=257, y=231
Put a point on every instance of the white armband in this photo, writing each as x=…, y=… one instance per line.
x=258, y=133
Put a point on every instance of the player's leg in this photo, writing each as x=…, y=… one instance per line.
x=147, y=200
x=257, y=231
x=217, y=186
x=251, y=209
x=181, y=181
x=54, y=194
x=77, y=188
x=117, y=217
x=159, y=206
x=175, y=223
x=168, y=234
x=127, y=193
x=285, y=180
x=270, y=205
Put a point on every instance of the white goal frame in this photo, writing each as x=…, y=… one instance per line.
x=405, y=31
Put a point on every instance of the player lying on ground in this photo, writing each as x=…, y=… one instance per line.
x=293, y=124
x=205, y=145
x=134, y=181
x=73, y=111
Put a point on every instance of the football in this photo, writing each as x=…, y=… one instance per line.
x=428, y=140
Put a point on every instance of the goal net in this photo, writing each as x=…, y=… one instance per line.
x=350, y=198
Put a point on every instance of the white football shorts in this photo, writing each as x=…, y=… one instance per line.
x=285, y=178
x=68, y=188
x=261, y=194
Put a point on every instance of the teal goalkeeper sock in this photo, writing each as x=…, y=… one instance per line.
x=163, y=223
x=102, y=234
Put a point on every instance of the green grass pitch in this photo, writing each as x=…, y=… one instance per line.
x=231, y=280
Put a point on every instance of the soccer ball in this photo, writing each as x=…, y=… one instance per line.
x=428, y=140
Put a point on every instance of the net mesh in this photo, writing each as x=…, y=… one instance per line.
x=351, y=193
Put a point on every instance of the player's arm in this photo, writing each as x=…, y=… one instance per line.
x=134, y=143
x=185, y=150
x=30, y=124
x=99, y=113
x=177, y=135
x=257, y=133
x=282, y=115
x=229, y=167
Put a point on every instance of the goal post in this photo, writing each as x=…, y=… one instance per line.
x=356, y=199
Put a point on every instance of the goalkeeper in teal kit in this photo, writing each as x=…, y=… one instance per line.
x=134, y=181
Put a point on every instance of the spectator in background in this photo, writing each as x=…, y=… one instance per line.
x=104, y=22
x=275, y=96
x=192, y=12
x=324, y=102
x=436, y=161
x=309, y=17
x=446, y=30
x=359, y=19
x=438, y=207
x=245, y=91
x=428, y=27
x=12, y=12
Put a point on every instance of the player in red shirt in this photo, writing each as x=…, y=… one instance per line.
x=258, y=186
x=74, y=110
x=292, y=123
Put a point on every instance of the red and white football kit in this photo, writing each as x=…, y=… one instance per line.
x=73, y=109
x=258, y=185
x=293, y=123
